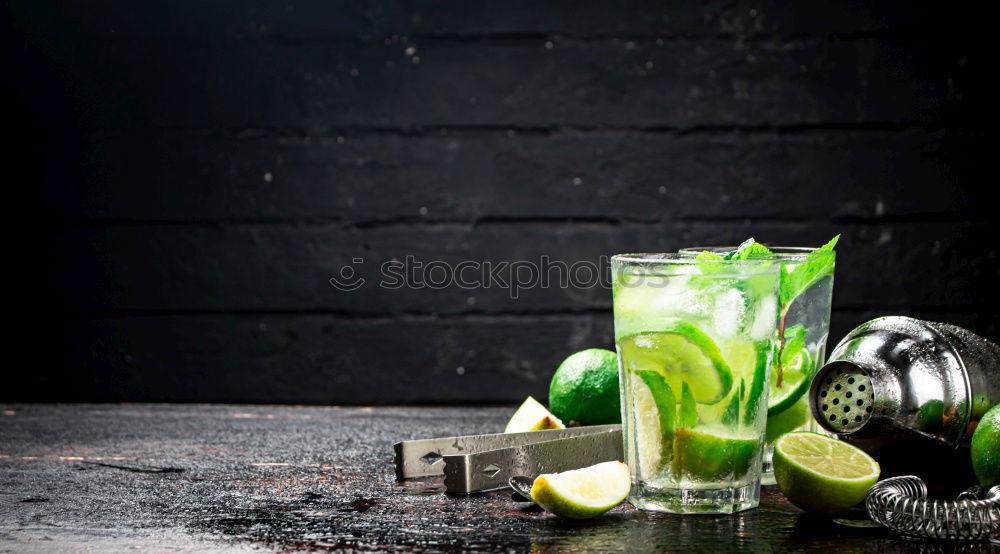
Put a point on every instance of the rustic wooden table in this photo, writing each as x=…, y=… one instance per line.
x=236, y=478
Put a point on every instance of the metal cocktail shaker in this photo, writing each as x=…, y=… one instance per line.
x=910, y=393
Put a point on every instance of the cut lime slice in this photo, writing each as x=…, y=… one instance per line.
x=821, y=474
x=653, y=405
x=731, y=415
x=689, y=409
x=682, y=353
x=532, y=416
x=583, y=493
x=704, y=457
x=753, y=403
x=795, y=380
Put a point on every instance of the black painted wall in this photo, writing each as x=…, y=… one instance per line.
x=195, y=172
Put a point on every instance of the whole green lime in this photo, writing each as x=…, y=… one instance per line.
x=981, y=403
x=584, y=390
x=985, y=448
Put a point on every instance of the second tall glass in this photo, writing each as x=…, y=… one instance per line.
x=803, y=326
x=695, y=341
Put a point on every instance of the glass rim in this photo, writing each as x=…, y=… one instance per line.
x=672, y=257
x=740, y=268
x=779, y=252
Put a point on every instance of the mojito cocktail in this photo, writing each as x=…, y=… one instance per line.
x=804, y=324
x=695, y=341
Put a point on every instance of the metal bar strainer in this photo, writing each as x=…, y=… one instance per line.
x=901, y=504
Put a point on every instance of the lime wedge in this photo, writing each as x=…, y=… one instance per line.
x=794, y=384
x=583, y=493
x=704, y=457
x=653, y=408
x=731, y=415
x=753, y=405
x=821, y=474
x=682, y=353
x=532, y=416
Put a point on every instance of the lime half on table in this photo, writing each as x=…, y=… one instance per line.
x=821, y=474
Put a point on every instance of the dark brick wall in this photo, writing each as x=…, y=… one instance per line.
x=195, y=172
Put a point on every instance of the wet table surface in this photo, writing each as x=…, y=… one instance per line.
x=269, y=478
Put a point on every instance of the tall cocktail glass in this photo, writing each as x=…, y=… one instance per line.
x=695, y=341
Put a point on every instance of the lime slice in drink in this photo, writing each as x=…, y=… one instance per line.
x=682, y=353
x=752, y=410
x=704, y=457
x=820, y=474
x=653, y=409
x=794, y=384
x=532, y=416
x=583, y=493
x=787, y=421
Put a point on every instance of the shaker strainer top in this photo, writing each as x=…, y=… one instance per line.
x=844, y=398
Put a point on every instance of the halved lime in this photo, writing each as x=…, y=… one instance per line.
x=704, y=457
x=682, y=353
x=532, y=416
x=821, y=474
x=583, y=493
x=794, y=384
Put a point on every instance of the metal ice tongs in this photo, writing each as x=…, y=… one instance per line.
x=476, y=463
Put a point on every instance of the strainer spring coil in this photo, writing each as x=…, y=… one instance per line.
x=901, y=504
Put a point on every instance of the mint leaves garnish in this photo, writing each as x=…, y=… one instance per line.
x=818, y=264
x=749, y=250
x=792, y=282
x=708, y=263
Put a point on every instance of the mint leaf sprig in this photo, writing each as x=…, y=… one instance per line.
x=818, y=264
x=750, y=250
x=709, y=263
x=795, y=341
x=791, y=283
